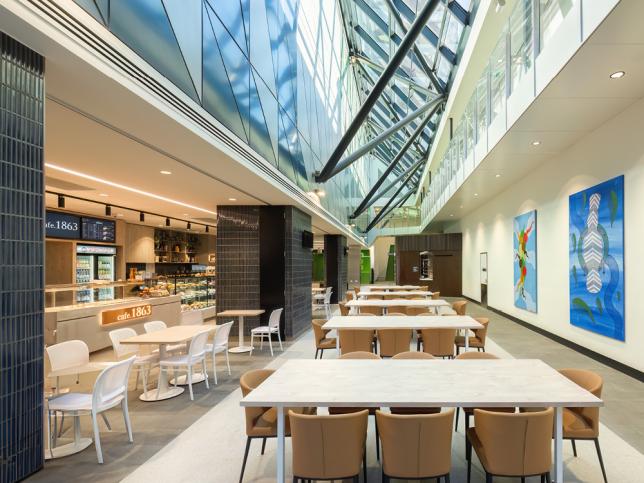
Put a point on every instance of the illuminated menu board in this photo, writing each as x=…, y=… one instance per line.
x=96, y=229
x=62, y=225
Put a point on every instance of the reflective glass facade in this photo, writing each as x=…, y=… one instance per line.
x=275, y=73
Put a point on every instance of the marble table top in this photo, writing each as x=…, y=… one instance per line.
x=172, y=335
x=376, y=322
x=402, y=293
x=398, y=303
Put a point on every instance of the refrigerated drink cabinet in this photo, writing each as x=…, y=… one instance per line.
x=94, y=262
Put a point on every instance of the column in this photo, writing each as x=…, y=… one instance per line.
x=335, y=257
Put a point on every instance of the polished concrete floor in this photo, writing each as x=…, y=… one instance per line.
x=180, y=440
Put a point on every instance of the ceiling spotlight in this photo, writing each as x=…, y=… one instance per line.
x=451, y=214
x=61, y=201
x=497, y=175
x=232, y=199
x=536, y=143
x=618, y=75
x=461, y=206
x=499, y=5
x=476, y=194
x=104, y=195
x=167, y=222
x=319, y=192
x=108, y=210
x=165, y=172
x=141, y=217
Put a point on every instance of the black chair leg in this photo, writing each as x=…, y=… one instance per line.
x=263, y=445
x=467, y=421
x=316, y=353
x=241, y=476
x=456, y=423
x=446, y=478
x=488, y=478
x=377, y=443
x=548, y=480
x=574, y=447
x=468, y=457
x=417, y=345
x=321, y=353
x=523, y=479
x=364, y=465
x=601, y=460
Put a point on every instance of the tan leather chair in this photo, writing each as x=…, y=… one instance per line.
x=344, y=310
x=353, y=340
x=321, y=340
x=356, y=290
x=397, y=309
x=417, y=311
x=374, y=297
x=350, y=295
x=438, y=342
x=478, y=339
x=396, y=314
x=406, y=410
x=416, y=446
x=391, y=297
x=518, y=444
x=469, y=411
x=261, y=422
x=329, y=447
x=436, y=295
x=371, y=310
x=583, y=423
x=360, y=355
x=459, y=307
x=393, y=341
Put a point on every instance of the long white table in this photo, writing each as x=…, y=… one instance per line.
x=387, y=288
x=419, y=383
x=396, y=293
x=385, y=304
x=416, y=322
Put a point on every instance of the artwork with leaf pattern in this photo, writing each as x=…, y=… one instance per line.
x=525, y=261
x=597, y=258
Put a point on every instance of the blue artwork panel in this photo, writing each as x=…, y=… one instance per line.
x=597, y=258
x=525, y=261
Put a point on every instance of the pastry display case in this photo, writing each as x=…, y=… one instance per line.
x=197, y=291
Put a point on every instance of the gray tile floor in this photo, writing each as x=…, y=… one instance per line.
x=157, y=424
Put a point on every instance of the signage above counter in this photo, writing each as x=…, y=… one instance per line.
x=74, y=227
x=125, y=314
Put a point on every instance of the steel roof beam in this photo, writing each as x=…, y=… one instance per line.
x=389, y=207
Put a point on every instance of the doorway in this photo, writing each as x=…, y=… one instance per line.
x=483, y=278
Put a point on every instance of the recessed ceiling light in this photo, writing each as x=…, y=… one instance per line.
x=165, y=172
x=536, y=143
x=451, y=214
x=232, y=199
x=497, y=175
x=103, y=194
x=618, y=75
x=120, y=215
x=476, y=194
x=461, y=206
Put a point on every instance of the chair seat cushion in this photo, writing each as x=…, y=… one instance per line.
x=266, y=424
x=575, y=426
x=181, y=360
x=459, y=340
x=76, y=401
x=327, y=343
x=264, y=329
x=218, y=349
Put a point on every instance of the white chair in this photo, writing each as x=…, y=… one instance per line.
x=110, y=390
x=318, y=298
x=142, y=364
x=156, y=325
x=327, y=304
x=196, y=354
x=266, y=331
x=220, y=344
x=192, y=317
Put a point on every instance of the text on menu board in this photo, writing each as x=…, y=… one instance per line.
x=125, y=314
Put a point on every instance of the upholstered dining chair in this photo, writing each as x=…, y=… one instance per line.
x=476, y=341
x=350, y=295
x=329, y=447
x=416, y=446
x=414, y=355
x=417, y=311
x=393, y=341
x=352, y=340
x=459, y=307
x=514, y=445
x=344, y=310
x=436, y=295
x=397, y=309
x=374, y=297
x=371, y=310
x=261, y=422
x=322, y=342
x=439, y=342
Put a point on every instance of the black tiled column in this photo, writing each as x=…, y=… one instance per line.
x=21, y=260
x=299, y=273
x=336, y=261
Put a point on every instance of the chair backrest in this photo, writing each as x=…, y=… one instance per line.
x=248, y=382
x=417, y=311
x=371, y=310
x=356, y=290
x=393, y=297
x=424, y=288
x=344, y=310
x=394, y=341
x=374, y=297
x=329, y=446
x=111, y=383
x=116, y=336
x=274, y=319
x=329, y=290
x=350, y=295
x=355, y=340
x=327, y=296
x=360, y=355
x=67, y=354
x=198, y=344
x=154, y=326
x=192, y=317
x=413, y=355
x=222, y=334
x=436, y=295
x=439, y=342
x=397, y=309
x=516, y=443
x=481, y=334
x=476, y=355
x=318, y=332
x=396, y=314
x=416, y=446
x=459, y=306
x=444, y=310
x=593, y=383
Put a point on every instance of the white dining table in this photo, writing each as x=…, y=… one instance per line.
x=385, y=304
x=396, y=293
x=416, y=322
x=241, y=313
x=419, y=383
x=388, y=288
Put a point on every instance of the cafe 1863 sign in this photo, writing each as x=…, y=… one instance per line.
x=114, y=316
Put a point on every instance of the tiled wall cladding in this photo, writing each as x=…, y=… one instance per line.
x=299, y=268
x=238, y=261
x=337, y=265
x=21, y=260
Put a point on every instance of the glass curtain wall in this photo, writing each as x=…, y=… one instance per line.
x=274, y=73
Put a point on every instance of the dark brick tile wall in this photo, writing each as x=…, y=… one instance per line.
x=238, y=261
x=299, y=272
x=337, y=265
x=21, y=260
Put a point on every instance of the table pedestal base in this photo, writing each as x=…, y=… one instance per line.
x=240, y=349
x=68, y=449
x=169, y=393
x=183, y=380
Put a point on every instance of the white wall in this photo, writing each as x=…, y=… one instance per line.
x=380, y=256
x=615, y=148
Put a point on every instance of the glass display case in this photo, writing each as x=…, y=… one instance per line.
x=197, y=291
x=90, y=293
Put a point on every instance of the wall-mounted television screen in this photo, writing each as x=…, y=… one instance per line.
x=62, y=225
x=97, y=229
x=307, y=239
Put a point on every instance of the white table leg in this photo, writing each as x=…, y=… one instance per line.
x=559, y=444
x=164, y=391
x=242, y=347
x=467, y=339
x=281, y=457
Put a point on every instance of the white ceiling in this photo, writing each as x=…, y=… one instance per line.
x=581, y=98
